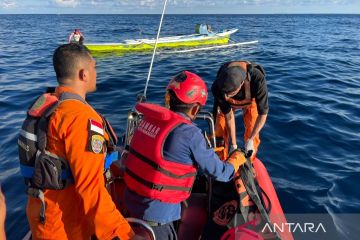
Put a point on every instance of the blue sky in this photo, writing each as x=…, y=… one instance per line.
x=179, y=6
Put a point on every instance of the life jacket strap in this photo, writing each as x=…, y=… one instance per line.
x=157, y=167
x=28, y=172
x=254, y=191
x=113, y=140
x=37, y=193
x=110, y=158
x=158, y=187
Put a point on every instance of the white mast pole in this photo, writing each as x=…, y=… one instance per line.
x=153, y=55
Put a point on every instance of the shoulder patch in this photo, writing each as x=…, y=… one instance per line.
x=96, y=140
x=97, y=143
x=95, y=126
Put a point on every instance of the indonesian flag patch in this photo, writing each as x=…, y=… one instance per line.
x=96, y=127
x=96, y=137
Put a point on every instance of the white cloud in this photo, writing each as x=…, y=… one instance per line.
x=143, y=4
x=99, y=2
x=178, y=6
x=148, y=3
x=7, y=4
x=94, y=3
x=67, y=3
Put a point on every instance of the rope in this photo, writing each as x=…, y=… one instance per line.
x=153, y=56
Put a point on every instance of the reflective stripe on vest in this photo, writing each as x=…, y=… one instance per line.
x=28, y=135
x=247, y=100
x=147, y=172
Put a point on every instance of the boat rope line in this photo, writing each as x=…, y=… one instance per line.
x=154, y=52
x=209, y=48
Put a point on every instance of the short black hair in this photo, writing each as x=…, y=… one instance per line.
x=176, y=105
x=232, y=78
x=66, y=57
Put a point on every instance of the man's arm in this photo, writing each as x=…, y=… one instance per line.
x=70, y=37
x=225, y=108
x=208, y=161
x=231, y=127
x=259, y=124
x=260, y=92
x=85, y=154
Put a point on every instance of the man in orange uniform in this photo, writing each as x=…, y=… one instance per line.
x=83, y=209
x=240, y=85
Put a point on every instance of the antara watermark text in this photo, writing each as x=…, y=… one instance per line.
x=294, y=227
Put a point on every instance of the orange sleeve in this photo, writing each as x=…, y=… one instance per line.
x=87, y=168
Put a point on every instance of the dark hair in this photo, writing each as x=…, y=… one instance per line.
x=177, y=105
x=232, y=78
x=66, y=59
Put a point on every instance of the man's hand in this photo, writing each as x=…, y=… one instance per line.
x=249, y=147
x=232, y=148
x=237, y=158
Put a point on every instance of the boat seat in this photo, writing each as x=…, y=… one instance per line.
x=141, y=228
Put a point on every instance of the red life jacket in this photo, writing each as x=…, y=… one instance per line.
x=247, y=100
x=147, y=172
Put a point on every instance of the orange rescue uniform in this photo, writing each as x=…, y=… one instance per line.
x=250, y=115
x=252, y=98
x=85, y=208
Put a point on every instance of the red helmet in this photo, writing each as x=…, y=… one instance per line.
x=189, y=88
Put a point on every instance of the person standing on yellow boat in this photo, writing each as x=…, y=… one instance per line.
x=78, y=135
x=240, y=85
x=76, y=37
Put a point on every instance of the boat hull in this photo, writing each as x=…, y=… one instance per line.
x=171, y=42
x=276, y=214
x=195, y=214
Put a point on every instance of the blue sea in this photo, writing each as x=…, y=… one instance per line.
x=311, y=141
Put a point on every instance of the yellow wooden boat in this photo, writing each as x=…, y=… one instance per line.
x=137, y=45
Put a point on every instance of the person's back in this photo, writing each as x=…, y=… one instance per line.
x=204, y=29
x=65, y=130
x=182, y=147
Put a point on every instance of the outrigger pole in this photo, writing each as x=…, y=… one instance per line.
x=153, y=55
x=209, y=48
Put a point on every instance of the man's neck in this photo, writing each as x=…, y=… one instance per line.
x=76, y=89
x=185, y=115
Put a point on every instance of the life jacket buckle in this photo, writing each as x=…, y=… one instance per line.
x=38, y=193
x=157, y=187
